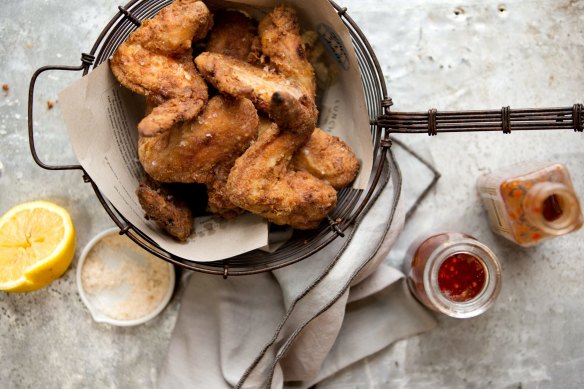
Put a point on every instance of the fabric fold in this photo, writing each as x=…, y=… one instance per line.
x=300, y=324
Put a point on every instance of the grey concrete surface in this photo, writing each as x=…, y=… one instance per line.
x=434, y=53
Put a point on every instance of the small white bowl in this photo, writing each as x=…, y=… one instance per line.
x=114, y=294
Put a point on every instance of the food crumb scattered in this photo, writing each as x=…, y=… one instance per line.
x=50, y=104
x=5, y=87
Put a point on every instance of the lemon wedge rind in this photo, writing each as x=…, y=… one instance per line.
x=52, y=265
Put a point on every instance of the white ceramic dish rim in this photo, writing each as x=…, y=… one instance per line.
x=101, y=317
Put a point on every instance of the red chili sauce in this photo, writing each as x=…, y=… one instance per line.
x=461, y=277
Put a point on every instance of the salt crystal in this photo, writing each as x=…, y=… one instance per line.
x=137, y=280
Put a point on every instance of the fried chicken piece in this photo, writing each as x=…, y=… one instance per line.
x=263, y=183
x=175, y=27
x=324, y=156
x=218, y=198
x=282, y=43
x=156, y=61
x=163, y=207
x=190, y=151
x=233, y=35
x=240, y=79
x=256, y=57
x=329, y=158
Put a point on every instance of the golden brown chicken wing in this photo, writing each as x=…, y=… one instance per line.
x=324, y=156
x=240, y=79
x=263, y=183
x=329, y=158
x=189, y=152
x=282, y=43
x=218, y=199
x=233, y=35
x=155, y=61
x=168, y=211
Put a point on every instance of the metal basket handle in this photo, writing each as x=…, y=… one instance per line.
x=86, y=61
x=505, y=120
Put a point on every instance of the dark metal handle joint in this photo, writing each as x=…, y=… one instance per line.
x=432, y=130
x=577, y=117
x=506, y=120
x=129, y=16
x=386, y=105
x=334, y=225
x=386, y=143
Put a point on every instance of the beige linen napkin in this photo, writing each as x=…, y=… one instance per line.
x=297, y=325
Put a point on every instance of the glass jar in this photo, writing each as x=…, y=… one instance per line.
x=531, y=202
x=454, y=274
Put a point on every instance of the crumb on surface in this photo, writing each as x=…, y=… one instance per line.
x=50, y=104
x=5, y=87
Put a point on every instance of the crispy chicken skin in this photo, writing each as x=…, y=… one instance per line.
x=175, y=27
x=263, y=183
x=233, y=35
x=281, y=42
x=163, y=207
x=156, y=61
x=218, y=199
x=190, y=151
x=329, y=158
x=240, y=79
x=324, y=156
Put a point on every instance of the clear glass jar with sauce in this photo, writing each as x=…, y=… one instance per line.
x=454, y=274
x=531, y=202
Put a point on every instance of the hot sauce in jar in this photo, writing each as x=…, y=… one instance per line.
x=453, y=273
x=531, y=202
x=461, y=277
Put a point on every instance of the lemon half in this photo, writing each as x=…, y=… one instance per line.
x=37, y=245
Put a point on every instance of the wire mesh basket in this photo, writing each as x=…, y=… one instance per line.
x=351, y=203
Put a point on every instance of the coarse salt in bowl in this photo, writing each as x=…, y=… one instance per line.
x=120, y=283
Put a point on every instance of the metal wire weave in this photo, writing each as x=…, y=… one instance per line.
x=505, y=120
x=351, y=203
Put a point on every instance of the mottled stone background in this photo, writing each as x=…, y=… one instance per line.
x=434, y=54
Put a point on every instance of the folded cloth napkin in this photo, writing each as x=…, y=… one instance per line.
x=295, y=326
